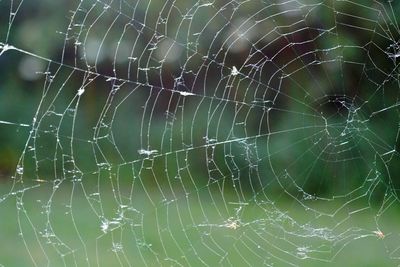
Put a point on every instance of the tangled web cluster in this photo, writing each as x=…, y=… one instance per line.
x=206, y=132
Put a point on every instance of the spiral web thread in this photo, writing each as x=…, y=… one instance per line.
x=204, y=133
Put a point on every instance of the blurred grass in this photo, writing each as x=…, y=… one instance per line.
x=158, y=229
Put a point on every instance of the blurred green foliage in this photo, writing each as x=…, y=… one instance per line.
x=40, y=28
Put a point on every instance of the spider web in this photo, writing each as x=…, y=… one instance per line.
x=204, y=133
